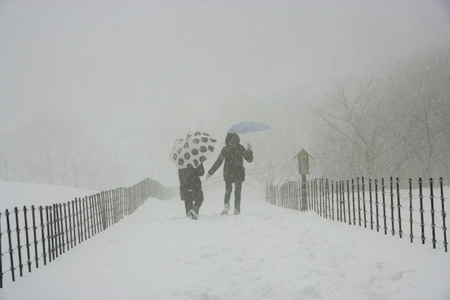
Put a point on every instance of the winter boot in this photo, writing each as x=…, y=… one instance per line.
x=193, y=214
x=226, y=209
x=237, y=212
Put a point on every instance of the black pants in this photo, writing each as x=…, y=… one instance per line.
x=193, y=201
x=237, y=194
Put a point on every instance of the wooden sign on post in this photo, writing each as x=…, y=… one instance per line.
x=303, y=162
x=303, y=169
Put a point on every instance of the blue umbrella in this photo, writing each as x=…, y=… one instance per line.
x=248, y=126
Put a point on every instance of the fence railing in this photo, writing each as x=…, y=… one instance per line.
x=32, y=237
x=407, y=209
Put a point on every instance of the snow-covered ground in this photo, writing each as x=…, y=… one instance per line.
x=267, y=252
x=21, y=194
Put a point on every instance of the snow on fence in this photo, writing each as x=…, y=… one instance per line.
x=393, y=207
x=32, y=237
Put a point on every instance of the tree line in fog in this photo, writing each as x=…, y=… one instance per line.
x=394, y=124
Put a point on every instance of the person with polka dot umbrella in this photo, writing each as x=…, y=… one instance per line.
x=188, y=154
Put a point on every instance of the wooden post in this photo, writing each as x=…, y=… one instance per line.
x=303, y=170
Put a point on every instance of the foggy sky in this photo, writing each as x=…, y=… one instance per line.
x=148, y=70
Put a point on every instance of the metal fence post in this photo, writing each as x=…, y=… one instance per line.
x=411, y=222
x=27, y=238
x=399, y=206
x=41, y=217
x=383, y=194
x=36, y=256
x=11, y=258
x=391, y=192
x=338, y=202
x=343, y=201
x=371, y=204
x=359, y=201
x=19, y=246
x=1, y=256
x=422, y=224
x=363, y=185
x=444, y=228
x=433, y=223
x=377, y=203
x=353, y=202
x=332, y=199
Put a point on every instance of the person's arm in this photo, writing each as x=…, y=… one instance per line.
x=217, y=164
x=248, y=153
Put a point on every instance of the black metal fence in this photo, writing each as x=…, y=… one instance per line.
x=415, y=210
x=32, y=237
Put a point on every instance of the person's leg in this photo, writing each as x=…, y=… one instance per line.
x=237, y=197
x=228, y=189
x=187, y=206
x=198, y=202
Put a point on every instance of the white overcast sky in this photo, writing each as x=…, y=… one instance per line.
x=152, y=67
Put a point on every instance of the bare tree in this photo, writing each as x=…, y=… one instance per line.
x=353, y=133
x=273, y=163
x=51, y=150
x=393, y=126
x=421, y=85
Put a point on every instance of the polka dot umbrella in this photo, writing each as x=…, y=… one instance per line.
x=192, y=149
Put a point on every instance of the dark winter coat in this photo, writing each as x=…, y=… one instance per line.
x=233, y=153
x=190, y=184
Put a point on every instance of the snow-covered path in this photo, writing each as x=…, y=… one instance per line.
x=266, y=252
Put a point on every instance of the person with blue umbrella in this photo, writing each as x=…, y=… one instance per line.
x=232, y=155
